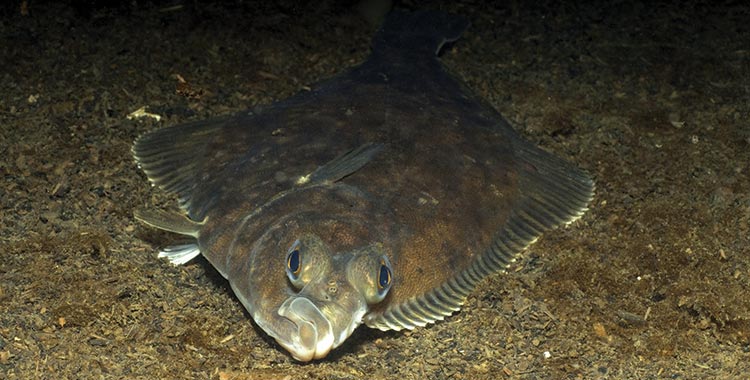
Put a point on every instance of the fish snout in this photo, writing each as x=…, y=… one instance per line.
x=314, y=338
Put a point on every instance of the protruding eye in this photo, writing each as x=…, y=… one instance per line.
x=384, y=278
x=293, y=265
x=370, y=272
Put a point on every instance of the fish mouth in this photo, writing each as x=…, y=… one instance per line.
x=314, y=338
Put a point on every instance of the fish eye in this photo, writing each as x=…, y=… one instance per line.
x=293, y=265
x=384, y=278
x=371, y=273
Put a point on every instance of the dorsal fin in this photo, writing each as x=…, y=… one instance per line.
x=554, y=193
x=171, y=157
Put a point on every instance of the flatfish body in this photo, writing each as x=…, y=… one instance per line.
x=382, y=196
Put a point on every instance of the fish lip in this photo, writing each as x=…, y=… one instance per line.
x=314, y=338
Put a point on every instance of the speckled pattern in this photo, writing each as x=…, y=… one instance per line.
x=393, y=161
x=651, y=100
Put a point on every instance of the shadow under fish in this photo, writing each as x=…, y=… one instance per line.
x=382, y=196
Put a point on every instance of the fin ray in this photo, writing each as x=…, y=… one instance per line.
x=180, y=254
x=172, y=157
x=346, y=164
x=169, y=221
x=566, y=194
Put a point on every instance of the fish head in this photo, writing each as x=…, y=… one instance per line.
x=334, y=292
x=308, y=295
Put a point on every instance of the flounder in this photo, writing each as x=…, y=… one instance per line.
x=382, y=196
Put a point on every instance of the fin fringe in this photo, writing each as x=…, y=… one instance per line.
x=566, y=193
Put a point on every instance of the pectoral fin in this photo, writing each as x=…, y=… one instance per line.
x=344, y=165
x=169, y=221
x=177, y=223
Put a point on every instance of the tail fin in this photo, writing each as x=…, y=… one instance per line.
x=424, y=32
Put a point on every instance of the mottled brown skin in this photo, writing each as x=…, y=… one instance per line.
x=450, y=175
x=434, y=196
